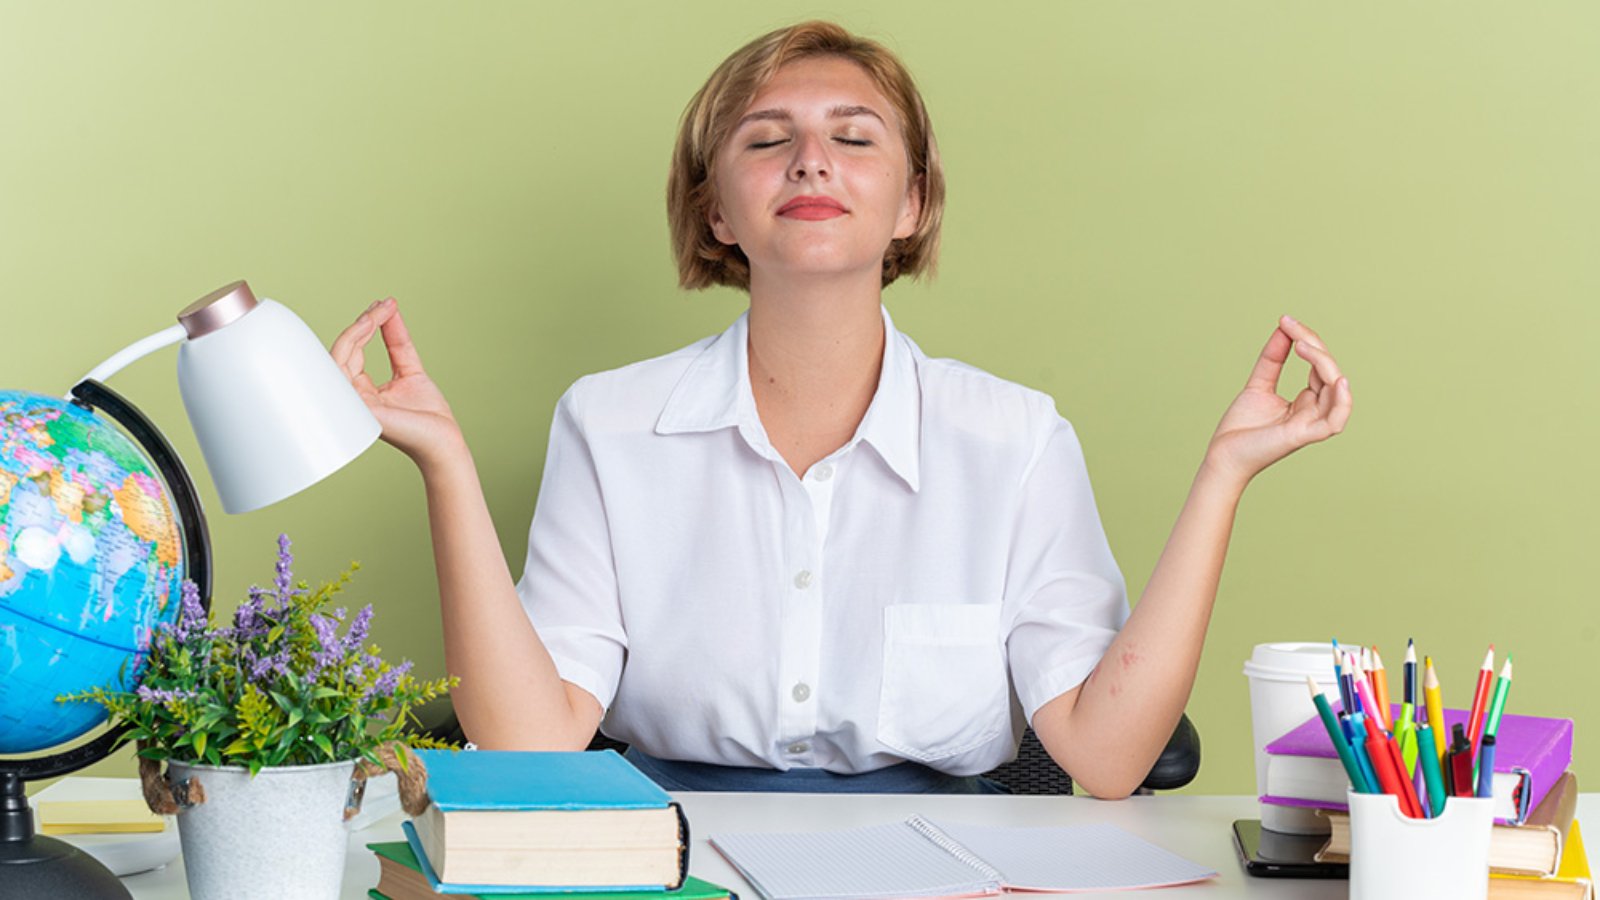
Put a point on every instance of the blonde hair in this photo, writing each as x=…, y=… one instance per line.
x=703, y=260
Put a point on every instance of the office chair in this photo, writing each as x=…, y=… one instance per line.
x=1032, y=772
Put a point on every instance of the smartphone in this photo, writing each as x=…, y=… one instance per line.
x=1272, y=854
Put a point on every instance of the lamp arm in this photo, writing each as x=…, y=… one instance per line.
x=136, y=350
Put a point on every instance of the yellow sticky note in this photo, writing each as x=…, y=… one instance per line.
x=97, y=817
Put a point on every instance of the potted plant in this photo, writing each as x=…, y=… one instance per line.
x=268, y=727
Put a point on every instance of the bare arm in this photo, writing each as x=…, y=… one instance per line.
x=510, y=696
x=1108, y=731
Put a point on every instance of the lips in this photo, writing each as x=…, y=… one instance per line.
x=812, y=208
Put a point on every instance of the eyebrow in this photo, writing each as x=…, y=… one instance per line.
x=783, y=115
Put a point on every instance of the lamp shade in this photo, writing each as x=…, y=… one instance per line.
x=272, y=411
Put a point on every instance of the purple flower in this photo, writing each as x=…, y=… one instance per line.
x=285, y=580
x=163, y=696
x=330, y=649
x=191, y=615
x=276, y=665
x=248, y=620
x=388, y=681
x=358, y=629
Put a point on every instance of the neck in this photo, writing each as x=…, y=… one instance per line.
x=816, y=338
x=816, y=348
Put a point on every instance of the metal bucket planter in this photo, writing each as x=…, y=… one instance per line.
x=279, y=834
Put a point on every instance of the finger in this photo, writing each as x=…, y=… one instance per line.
x=1300, y=331
x=1342, y=404
x=1269, y=365
x=1314, y=380
x=403, y=358
x=1304, y=406
x=1321, y=361
x=1325, y=400
x=347, y=347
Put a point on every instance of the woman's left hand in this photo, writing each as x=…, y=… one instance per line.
x=1261, y=427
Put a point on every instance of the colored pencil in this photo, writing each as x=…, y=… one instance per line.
x=1491, y=727
x=1435, y=703
x=1380, y=690
x=1480, y=699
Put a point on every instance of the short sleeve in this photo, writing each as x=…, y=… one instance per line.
x=569, y=582
x=1065, y=597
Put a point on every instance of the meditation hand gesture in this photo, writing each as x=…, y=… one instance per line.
x=413, y=412
x=1261, y=427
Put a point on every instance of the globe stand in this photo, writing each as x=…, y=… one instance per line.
x=33, y=865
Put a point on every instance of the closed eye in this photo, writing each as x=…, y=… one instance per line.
x=853, y=142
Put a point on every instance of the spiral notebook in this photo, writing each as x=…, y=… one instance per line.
x=922, y=858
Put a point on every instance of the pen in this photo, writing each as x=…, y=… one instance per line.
x=1352, y=768
x=1428, y=758
x=1460, y=762
x=1380, y=689
x=1480, y=697
x=1486, y=767
x=1409, y=672
x=1435, y=703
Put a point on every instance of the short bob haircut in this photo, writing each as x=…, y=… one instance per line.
x=704, y=261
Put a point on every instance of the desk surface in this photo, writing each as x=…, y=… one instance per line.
x=1196, y=827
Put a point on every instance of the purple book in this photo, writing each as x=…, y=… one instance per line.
x=1531, y=754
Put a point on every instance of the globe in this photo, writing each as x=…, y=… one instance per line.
x=90, y=562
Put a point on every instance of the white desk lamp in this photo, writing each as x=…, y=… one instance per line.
x=272, y=411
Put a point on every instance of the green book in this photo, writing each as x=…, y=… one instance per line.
x=400, y=866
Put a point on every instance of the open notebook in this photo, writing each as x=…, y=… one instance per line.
x=921, y=858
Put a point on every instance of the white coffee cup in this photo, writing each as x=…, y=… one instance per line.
x=1279, y=702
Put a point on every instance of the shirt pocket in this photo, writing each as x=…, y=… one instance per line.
x=944, y=679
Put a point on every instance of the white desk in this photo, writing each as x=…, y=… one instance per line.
x=1196, y=827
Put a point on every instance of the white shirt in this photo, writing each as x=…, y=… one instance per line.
x=913, y=596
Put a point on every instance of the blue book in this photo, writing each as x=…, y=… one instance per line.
x=523, y=822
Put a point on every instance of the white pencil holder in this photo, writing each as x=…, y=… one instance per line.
x=1393, y=855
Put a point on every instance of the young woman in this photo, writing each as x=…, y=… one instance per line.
x=802, y=555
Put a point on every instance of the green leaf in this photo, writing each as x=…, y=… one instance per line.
x=199, y=743
x=321, y=740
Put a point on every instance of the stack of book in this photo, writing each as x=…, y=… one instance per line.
x=1536, y=849
x=1304, y=770
x=503, y=823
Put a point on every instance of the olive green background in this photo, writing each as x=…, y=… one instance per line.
x=1137, y=191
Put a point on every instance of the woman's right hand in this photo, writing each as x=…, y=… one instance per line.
x=413, y=412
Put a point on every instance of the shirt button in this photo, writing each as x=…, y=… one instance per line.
x=802, y=580
x=823, y=472
x=801, y=692
x=797, y=748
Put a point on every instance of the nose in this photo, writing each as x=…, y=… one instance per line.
x=810, y=157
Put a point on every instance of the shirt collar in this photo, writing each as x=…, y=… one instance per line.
x=714, y=393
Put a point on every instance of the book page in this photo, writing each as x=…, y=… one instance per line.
x=878, y=861
x=1073, y=857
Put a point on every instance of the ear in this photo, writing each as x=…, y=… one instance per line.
x=910, y=210
x=719, y=225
